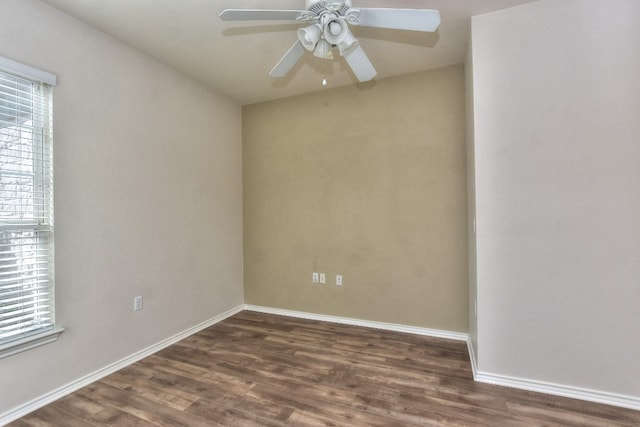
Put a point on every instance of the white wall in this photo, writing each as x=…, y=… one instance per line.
x=557, y=149
x=148, y=199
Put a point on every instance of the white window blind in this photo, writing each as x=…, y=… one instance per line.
x=26, y=209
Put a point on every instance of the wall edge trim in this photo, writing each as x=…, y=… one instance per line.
x=472, y=358
x=39, y=402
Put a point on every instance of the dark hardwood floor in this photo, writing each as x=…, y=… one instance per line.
x=263, y=370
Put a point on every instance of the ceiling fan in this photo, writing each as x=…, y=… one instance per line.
x=328, y=27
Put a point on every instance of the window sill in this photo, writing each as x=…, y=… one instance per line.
x=28, y=343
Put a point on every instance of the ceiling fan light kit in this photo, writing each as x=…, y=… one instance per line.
x=309, y=36
x=328, y=27
x=323, y=49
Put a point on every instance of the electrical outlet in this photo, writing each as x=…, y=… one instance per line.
x=315, y=278
x=137, y=303
x=323, y=278
x=338, y=280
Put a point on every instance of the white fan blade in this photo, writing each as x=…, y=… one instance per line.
x=289, y=59
x=259, y=15
x=360, y=64
x=400, y=19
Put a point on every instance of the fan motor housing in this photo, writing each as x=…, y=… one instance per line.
x=308, y=4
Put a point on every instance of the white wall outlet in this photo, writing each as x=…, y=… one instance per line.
x=338, y=280
x=323, y=278
x=315, y=278
x=137, y=303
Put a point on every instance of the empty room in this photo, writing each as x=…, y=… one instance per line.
x=305, y=213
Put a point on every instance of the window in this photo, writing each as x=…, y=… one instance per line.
x=26, y=209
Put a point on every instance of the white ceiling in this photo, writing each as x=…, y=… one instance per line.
x=234, y=58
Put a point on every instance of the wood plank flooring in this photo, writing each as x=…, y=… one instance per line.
x=255, y=369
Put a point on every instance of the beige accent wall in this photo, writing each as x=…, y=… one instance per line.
x=368, y=182
x=148, y=199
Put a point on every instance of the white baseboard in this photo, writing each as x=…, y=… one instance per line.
x=437, y=333
x=551, y=388
x=56, y=394
x=596, y=396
